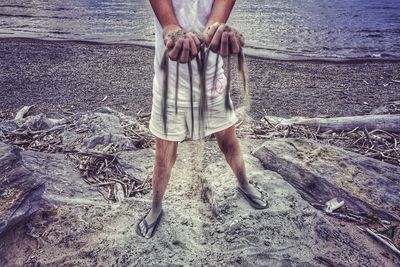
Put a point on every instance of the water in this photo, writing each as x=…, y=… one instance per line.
x=331, y=29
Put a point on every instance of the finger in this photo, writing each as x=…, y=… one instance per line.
x=216, y=40
x=193, y=47
x=241, y=40
x=196, y=41
x=224, y=49
x=174, y=53
x=185, y=51
x=211, y=31
x=168, y=43
x=239, y=37
x=234, y=43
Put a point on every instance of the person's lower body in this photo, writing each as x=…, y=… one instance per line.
x=222, y=125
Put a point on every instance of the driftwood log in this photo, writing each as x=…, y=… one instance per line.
x=387, y=122
x=321, y=172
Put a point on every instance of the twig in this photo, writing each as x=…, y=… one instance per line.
x=385, y=242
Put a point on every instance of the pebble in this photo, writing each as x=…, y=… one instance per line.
x=230, y=238
x=267, y=243
x=219, y=229
x=366, y=254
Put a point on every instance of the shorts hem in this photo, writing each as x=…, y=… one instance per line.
x=163, y=137
x=215, y=130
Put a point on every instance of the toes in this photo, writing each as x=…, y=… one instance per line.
x=149, y=232
x=260, y=202
x=142, y=228
x=263, y=200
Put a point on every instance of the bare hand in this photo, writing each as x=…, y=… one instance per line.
x=183, y=46
x=223, y=39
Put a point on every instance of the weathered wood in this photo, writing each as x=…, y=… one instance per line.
x=388, y=122
x=320, y=172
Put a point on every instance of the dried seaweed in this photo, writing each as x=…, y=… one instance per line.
x=48, y=141
x=104, y=171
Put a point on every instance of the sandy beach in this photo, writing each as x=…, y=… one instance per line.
x=59, y=75
x=207, y=222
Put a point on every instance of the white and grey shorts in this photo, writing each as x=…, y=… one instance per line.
x=179, y=125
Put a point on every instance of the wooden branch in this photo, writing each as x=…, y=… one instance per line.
x=388, y=122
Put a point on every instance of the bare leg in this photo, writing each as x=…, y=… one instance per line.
x=164, y=161
x=229, y=145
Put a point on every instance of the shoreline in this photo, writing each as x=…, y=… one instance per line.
x=78, y=75
x=251, y=52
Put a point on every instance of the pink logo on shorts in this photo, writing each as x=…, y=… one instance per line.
x=220, y=84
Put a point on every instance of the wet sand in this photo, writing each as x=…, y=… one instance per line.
x=59, y=75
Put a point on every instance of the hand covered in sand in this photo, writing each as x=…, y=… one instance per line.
x=223, y=39
x=182, y=46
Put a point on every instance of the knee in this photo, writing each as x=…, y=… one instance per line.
x=164, y=163
x=165, y=153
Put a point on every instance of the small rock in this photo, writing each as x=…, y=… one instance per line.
x=230, y=238
x=366, y=254
x=219, y=229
